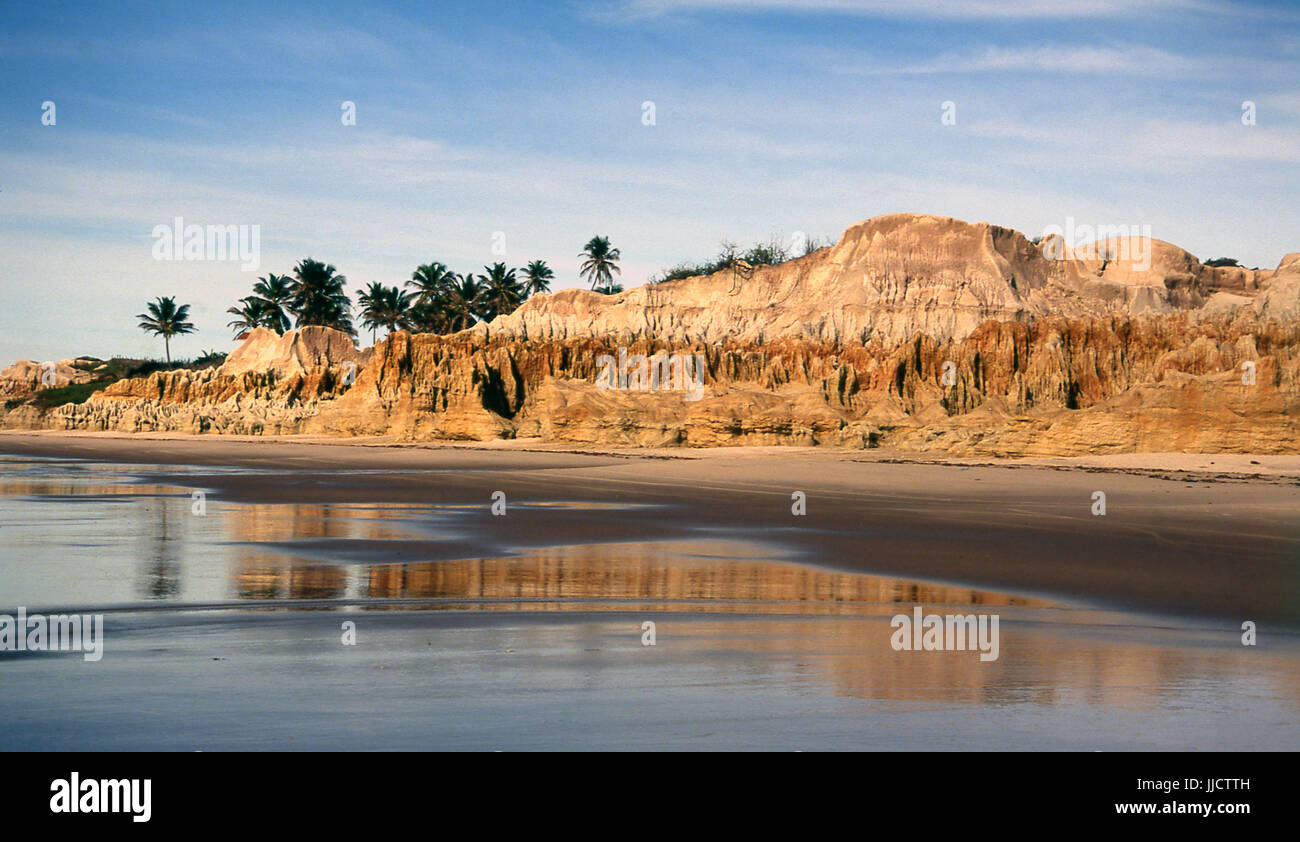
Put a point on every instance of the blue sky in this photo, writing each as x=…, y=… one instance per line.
x=771, y=117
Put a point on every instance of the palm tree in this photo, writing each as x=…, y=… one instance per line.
x=318, y=298
x=431, y=282
x=275, y=291
x=537, y=278
x=253, y=312
x=501, y=292
x=210, y=358
x=429, y=317
x=464, y=302
x=600, y=264
x=383, y=306
x=368, y=300
x=165, y=319
x=395, y=309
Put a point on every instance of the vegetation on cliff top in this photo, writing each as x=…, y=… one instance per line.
x=770, y=253
x=435, y=299
x=108, y=372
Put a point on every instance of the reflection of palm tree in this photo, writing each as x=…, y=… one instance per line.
x=160, y=574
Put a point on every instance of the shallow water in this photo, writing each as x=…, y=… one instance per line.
x=224, y=629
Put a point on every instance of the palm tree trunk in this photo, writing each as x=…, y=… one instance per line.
x=167, y=345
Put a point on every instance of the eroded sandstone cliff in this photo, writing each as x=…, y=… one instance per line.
x=916, y=333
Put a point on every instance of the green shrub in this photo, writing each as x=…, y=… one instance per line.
x=771, y=253
x=72, y=393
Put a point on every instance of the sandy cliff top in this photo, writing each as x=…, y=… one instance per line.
x=891, y=277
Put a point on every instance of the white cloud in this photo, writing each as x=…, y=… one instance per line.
x=1077, y=60
x=966, y=9
x=1152, y=145
x=1289, y=103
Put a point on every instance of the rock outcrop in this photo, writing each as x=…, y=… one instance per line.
x=1056, y=386
x=912, y=332
x=26, y=377
x=890, y=278
x=271, y=384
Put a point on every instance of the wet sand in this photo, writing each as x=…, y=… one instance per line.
x=1185, y=540
x=224, y=629
x=537, y=680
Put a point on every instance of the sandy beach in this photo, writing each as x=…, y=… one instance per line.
x=225, y=627
x=536, y=680
x=1213, y=536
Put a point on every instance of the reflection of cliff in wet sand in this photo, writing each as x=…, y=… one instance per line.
x=718, y=576
x=767, y=624
x=653, y=573
x=1222, y=528
x=1047, y=656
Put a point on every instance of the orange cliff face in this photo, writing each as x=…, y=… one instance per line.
x=913, y=332
x=1055, y=386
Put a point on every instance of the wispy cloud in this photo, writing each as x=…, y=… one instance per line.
x=1057, y=59
x=944, y=9
x=798, y=117
x=1289, y=103
x=1148, y=145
